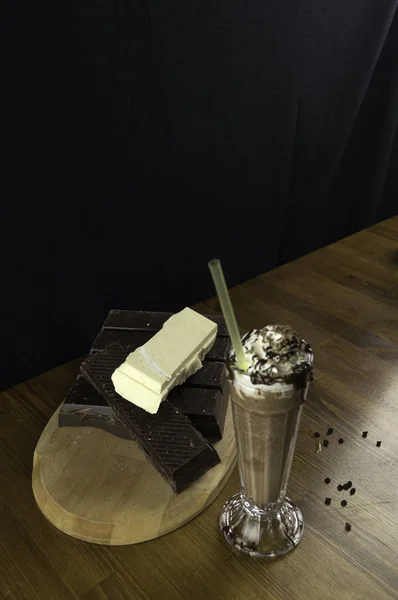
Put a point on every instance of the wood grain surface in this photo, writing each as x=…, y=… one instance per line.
x=102, y=489
x=343, y=298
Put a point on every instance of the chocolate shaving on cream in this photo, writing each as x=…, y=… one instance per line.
x=276, y=354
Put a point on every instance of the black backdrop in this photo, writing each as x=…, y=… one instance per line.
x=150, y=136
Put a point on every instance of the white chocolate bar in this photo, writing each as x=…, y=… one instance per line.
x=166, y=360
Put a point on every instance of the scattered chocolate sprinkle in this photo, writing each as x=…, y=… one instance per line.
x=330, y=431
x=328, y=501
x=378, y=444
x=317, y=434
x=352, y=491
x=343, y=503
x=325, y=443
x=364, y=434
x=327, y=480
x=340, y=487
x=347, y=527
x=347, y=485
x=341, y=441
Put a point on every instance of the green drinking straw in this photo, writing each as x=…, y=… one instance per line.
x=228, y=312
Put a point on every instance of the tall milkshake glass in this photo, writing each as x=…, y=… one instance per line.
x=267, y=401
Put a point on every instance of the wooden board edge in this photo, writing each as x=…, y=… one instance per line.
x=73, y=525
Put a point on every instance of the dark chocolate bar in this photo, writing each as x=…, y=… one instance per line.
x=151, y=321
x=84, y=406
x=129, y=339
x=211, y=375
x=134, y=338
x=179, y=452
x=205, y=408
x=141, y=320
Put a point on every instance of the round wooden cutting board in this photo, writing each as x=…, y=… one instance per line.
x=100, y=488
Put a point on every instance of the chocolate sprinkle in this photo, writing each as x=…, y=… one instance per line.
x=365, y=434
x=340, y=487
x=347, y=485
x=343, y=503
x=341, y=441
x=330, y=431
x=378, y=444
x=317, y=434
x=328, y=501
x=352, y=491
x=347, y=527
x=327, y=480
x=325, y=443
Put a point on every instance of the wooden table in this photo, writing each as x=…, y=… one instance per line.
x=343, y=298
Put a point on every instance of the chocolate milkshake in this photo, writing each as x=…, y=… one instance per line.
x=267, y=400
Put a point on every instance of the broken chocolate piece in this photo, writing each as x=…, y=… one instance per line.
x=378, y=444
x=179, y=452
x=134, y=338
x=364, y=434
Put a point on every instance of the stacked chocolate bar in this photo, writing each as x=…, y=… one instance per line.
x=176, y=439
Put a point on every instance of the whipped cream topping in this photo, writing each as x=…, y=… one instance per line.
x=276, y=354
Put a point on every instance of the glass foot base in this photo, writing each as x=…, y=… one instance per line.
x=267, y=533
